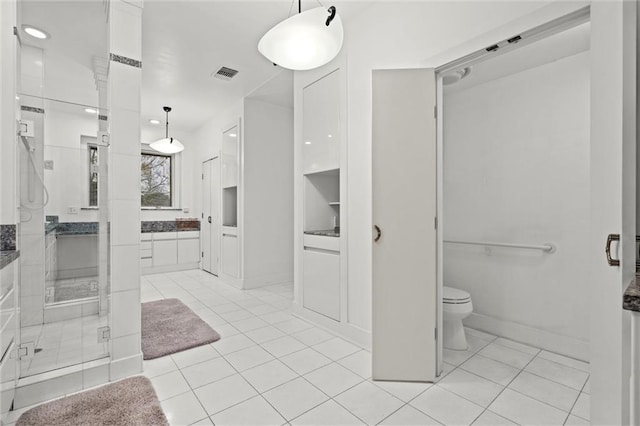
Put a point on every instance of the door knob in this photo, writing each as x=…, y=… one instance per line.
x=209, y=219
x=378, y=233
x=607, y=249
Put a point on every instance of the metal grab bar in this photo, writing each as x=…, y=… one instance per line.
x=548, y=248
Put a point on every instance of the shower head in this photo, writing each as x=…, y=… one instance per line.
x=455, y=76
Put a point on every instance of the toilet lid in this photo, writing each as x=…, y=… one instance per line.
x=455, y=295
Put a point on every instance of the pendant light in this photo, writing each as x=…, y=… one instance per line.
x=304, y=41
x=167, y=145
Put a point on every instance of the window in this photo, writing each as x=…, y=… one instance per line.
x=93, y=176
x=156, y=180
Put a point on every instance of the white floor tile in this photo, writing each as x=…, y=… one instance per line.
x=336, y=348
x=312, y=336
x=249, y=357
x=582, y=407
x=446, y=407
x=547, y=391
x=489, y=418
x=368, y=402
x=249, y=324
x=194, y=356
x=269, y=375
x=327, y=413
x=506, y=355
x=474, y=388
x=305, y=361
x=293, y=325
x=476, y=343
x=232, y=344
x=456, y=357
x=333, y=379
x=409, y=416
x=220, y=395
x=558, y=373
x=587, y=386
x=276, y=317
x=564, y=360
x=490, y=369
x=294, y=398
x=404, y=391
x=517, y=346
x=576, y=421
x=226, y=330
x=170, y=384
x=201, y=374
x=524, y=410
x=359, y=363
x=159, y=366
x=183, y=409
x=255, y=411
x=204, y=422
x=264, y=334
x=283, y=346
x=480, y=334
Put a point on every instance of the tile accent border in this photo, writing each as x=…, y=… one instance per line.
x=32, y=109
x=631, y=297
x=124, y=60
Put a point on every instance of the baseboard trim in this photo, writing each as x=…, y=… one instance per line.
x=170, y=268
x=564, y=345
x=266, y=280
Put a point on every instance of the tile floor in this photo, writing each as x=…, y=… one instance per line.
x=64, y=343
x=271, y=368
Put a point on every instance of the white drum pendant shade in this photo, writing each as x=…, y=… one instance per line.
x=303, y=41
x=167, y=146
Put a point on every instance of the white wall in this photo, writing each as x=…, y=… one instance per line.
x=516, y=170
x=267, y=184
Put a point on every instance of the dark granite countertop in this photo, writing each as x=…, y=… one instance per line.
x=7, y=257
x=91, y=228
x=631, y=297
x=324, y=233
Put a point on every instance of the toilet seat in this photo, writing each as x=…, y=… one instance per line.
x=455, y=296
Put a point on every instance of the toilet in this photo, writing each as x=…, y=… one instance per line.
x=456, y=306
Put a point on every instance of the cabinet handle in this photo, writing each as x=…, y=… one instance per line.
x=610, y=239
x=378, y=233
x=209, y=219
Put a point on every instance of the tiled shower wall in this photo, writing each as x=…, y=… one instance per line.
x=125, y=68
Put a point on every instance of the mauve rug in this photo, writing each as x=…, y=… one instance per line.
x=169, y=326
x=127, y=402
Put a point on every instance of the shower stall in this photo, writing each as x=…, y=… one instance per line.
x=63, y=229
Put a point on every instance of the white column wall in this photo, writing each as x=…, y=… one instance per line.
x=124, y=183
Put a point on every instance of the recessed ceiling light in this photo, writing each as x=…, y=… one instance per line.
x=307, y=143
x=233, y=135
x=329, y=136
x=91, y=110
x=35, y=32
x=154, y=121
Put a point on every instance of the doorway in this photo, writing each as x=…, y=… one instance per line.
x=210, y=215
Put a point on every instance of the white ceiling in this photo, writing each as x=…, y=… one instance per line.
x=183, y=43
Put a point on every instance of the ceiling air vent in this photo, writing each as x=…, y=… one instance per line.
x=225, y=73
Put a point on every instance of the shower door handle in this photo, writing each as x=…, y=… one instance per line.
x=209, y=219
x=611, y=238
x=378, y=233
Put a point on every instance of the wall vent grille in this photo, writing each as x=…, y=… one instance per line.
x=225, y=73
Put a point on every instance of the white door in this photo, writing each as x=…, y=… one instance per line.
x=210, y=217
x=613, y=203
x=404, y=212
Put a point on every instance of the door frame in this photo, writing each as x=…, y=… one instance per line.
x=613, y=23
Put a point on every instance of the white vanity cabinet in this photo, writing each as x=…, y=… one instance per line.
x=230, y=252
x=169, y=251
x=321, y=275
